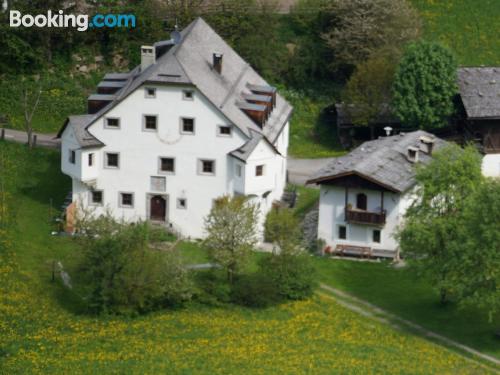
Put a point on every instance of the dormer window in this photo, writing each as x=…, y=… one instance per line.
x=412, y=154
x=188, y=95
x=150, y=92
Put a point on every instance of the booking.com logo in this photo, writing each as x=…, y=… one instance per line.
x=79, y=21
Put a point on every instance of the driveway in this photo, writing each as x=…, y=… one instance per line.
x=300, y=170
x=44, y=140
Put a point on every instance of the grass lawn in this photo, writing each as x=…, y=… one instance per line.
x=468, y=27
x=43, y=331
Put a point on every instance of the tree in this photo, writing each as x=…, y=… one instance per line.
x=478, y=281
x=424, y=86
x=231, y=233
x=282, y=228
x=121, y=273
x=368, y=93
x=31, y=99
x=430, y=238
x=361, y=27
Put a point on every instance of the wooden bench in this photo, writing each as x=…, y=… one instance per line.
x=362, y=251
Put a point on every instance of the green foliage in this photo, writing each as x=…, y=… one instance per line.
x=122, y=274
x=369, y=89
x=360, y=27
x=478, y=280
x=429, y=237
x=231, y=233
x=282, y=227
x=291, y=273
x=424, y=86
x=255, y=290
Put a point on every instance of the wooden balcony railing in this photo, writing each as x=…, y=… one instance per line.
x=364, y=217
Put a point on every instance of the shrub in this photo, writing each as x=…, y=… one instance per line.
x=291, y=274
x=255, y=290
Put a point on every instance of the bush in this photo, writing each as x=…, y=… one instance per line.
x=213, y=288
x=282, y=228
x=122, y=275
x=292, y=275
x=255, y=290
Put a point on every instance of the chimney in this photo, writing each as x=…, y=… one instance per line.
x=217, y=62
x=426, y=145
x=148, y=57
x=412, y=154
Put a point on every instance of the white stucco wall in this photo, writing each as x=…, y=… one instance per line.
x=491, y=165
x=331, y=216
x=140, y=150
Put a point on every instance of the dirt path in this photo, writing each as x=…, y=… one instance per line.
x=44, y=140
x=374, y=312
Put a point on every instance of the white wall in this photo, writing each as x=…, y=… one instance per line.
x=331, y=215
x=140, y=150
x=491, y=165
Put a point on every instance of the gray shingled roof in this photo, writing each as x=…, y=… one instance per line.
x=190, y=62
x=382, y=160
x=83, y=137
x=244, y=152
x=480, y=91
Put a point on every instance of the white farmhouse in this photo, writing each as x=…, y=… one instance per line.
x=193, y=122
x=365, y=194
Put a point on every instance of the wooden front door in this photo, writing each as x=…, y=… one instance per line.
x=158, y=208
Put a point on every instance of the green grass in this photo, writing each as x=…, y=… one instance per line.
x=469, y=27
x=307, y=198
x=43, y=331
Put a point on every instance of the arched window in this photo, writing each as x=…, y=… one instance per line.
x=361, y=201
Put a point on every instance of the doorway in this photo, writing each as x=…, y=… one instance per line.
x=158, y=208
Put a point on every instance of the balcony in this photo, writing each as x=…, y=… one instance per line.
x=357, y=216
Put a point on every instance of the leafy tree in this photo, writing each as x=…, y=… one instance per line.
x=361, y=27
x=282, y=228
x=231, y=233
x=429, y=238
x=424, y=85
x=368, y=93
x=122, y=274
x=478, y=281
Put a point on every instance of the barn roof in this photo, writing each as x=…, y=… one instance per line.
x=480, y=91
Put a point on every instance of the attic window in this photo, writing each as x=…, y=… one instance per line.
x=224, y=130
x=188, y=95
x=112, y=123
x=150, y=92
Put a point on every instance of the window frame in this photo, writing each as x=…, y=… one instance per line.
x=146, y=92
x=107, y=126
x=90, y=159
x=144, y=123
x=379, y=236
x=160, y=170
x=72, y=156
x=339, y=228
x=181, y=125
x=106, y=154
x=91, y=198
x=164, y=179
x=120, y=199
x=179, y=206
x=219, y=131
x=185, y=97
x=200, y=167
x=262, y=170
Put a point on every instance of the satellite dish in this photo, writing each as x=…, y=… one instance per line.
x=176, y=36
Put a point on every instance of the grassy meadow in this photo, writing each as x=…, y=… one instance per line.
x=44, y=330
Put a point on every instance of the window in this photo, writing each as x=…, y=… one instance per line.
x=91, y=160
x=376, y=236
x=112, y=160
x=72, y=156
x=96, y=197
x=187, y=125
x=112, y=123
x=150, y=92
x=188, y=95
x=361, y=201
x=206, y=167
x=150, y=122
x=224, y=130
x=126, y=200
x=239, y=170
x=158, y=183
x=182, y=203
x=167, y=165
x=259, y=170
x=342, y=232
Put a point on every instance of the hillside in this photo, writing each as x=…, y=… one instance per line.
x=43, y=331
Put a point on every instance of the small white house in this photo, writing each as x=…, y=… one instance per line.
x=365, y=194
x=193, y=122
